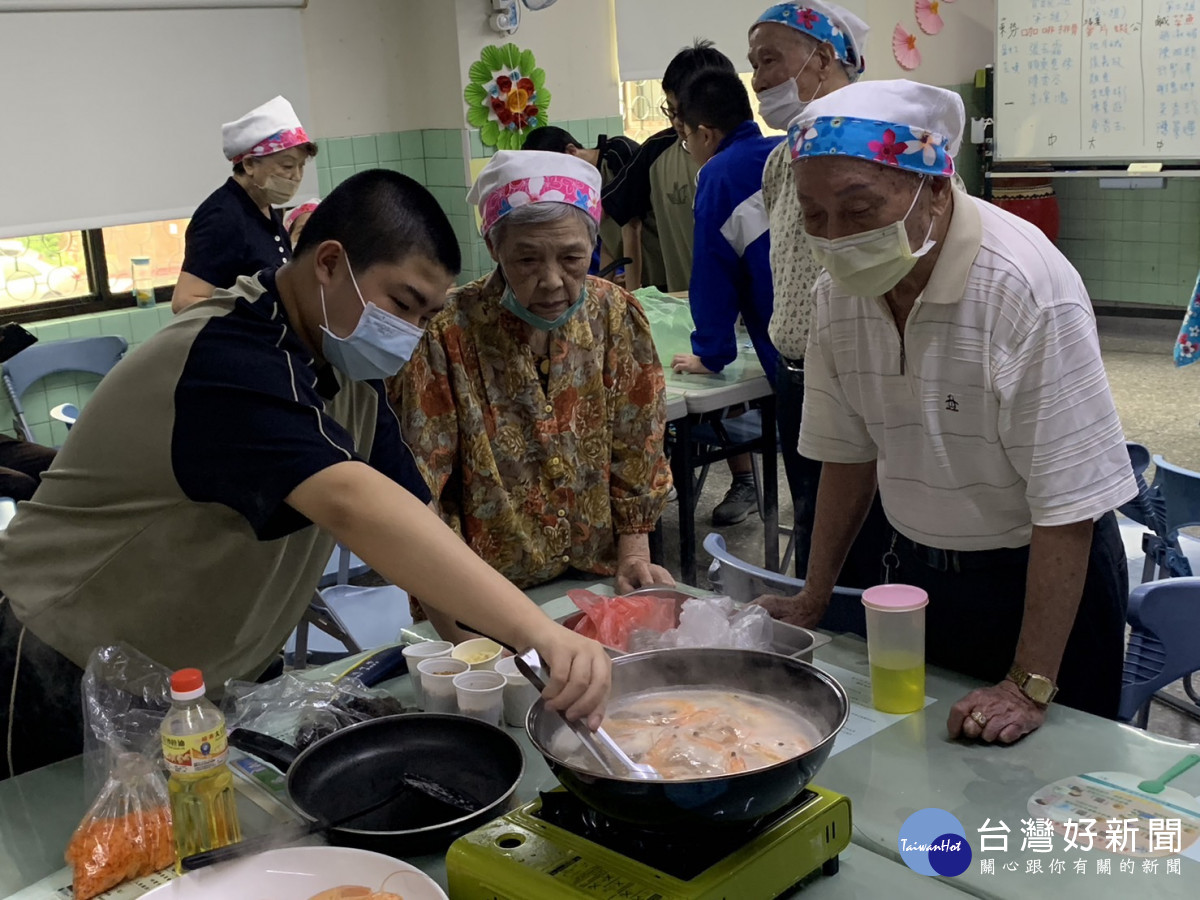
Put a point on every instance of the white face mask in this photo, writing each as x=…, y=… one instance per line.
x=871, y=263
x=379, y=346
x=781, y=105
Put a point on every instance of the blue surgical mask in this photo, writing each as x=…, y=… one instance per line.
x=510, y=302
x=379, y=346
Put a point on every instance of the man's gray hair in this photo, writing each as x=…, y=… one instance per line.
x=541, y=214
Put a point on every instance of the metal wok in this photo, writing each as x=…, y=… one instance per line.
x=713, y=800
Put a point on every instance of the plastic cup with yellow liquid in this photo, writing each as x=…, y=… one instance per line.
x=896, y=646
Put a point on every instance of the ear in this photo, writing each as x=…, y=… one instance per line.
x=326, y=259
x=941, y=190
x=826, y=59
x=572, y=150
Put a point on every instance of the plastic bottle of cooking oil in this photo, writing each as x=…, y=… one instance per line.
x=203, y=802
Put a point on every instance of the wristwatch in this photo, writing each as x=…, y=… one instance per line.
x=1037, y=688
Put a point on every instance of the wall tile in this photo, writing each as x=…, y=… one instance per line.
x=338, y=174
x=388, y=146
x=365, y=167
x=412, y=145
x=83, y=327
x=37, y=410
x=394, y=165
x=59, y=395
x=364, y=150
x=341, y=152
x=145, y=324
x=53, y=331
x=435, y=143
x=324, y=182
x=43, y=435
x=58, y=434
x=446, y=172
x=476, y=144
x=454, y=145
x=413, y=168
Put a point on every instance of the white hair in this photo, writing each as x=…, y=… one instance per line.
x=541, y=214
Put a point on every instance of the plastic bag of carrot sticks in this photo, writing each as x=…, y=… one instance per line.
x=127, y=832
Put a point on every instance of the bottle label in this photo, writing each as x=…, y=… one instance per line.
x=194, y=753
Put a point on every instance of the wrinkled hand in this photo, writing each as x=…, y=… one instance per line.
x=580, y=673
x=689, y=363
x=1009, y=715
x=801, y=609
x=635, y=572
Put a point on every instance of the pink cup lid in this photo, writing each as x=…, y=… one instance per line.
x=895, y=598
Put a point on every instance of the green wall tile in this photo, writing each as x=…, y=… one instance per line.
x=365, y=167
x=446, y=172
x=476, y=144
x=58, y=434
x=341, y=152
x=145, y=324
x=434, y=141
x=53, y=331
x=388, y=146
x=84, y=327
x=43, y=435
x=412, y=145
x=413, y=168
x=364, y=149
x=324, y=182
x=454, y=145
x=36, y=408
x=394, y=165
x=338, y=174
x=59, y=395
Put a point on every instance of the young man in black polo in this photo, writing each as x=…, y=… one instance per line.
x=262, y=436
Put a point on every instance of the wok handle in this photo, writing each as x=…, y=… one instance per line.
x=271, y=750
x=249, y=846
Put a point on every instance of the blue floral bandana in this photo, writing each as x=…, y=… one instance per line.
x=902, y=146
x=817, y=25
x=1187, y=348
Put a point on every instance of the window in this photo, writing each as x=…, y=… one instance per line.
x=46, y=276
x=42, y=268
x=162, y=242
x=642, y=102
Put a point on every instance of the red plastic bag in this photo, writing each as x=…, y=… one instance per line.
x=612, y=620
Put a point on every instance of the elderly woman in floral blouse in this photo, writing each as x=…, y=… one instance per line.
x=534, y=404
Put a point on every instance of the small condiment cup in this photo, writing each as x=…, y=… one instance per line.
x=437, y=683
x=479, y=653
x=519, y=693
x=481, y=695
x=414, y=653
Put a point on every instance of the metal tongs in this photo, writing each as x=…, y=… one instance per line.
x=599, y=742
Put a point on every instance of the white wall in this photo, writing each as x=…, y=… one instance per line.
x=966, y=43
x=574, y=41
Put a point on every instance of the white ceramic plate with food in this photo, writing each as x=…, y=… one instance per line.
x=305, y=873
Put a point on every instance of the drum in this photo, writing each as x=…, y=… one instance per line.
x=1032, y=199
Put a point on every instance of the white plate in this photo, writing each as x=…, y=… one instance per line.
x=297, y=873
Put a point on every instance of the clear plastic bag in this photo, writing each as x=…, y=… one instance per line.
x=615, y=621
x=300, y=710
x=126, y=832
x=714, y=622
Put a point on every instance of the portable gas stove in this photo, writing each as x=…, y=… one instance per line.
x=556, y=848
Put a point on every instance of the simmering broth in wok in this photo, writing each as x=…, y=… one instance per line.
x=702, y=732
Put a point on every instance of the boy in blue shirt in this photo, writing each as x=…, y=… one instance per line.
x=731, y=265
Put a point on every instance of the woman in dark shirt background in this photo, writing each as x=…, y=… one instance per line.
x=237, y=230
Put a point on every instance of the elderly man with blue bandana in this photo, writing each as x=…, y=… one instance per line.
x=953, y=361
x=801, y=52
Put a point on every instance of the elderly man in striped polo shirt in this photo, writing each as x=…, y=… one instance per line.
x=954, y=361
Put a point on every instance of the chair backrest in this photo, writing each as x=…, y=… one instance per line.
x=1143, y=508
x=1180, y=489
x=1164, y=640
x=744, y=582
x=96, y=355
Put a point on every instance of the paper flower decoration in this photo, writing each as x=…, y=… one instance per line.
x=928, y=17
x=506, y=97
x=904, y=48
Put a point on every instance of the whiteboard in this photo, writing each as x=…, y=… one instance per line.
x=1097, y=82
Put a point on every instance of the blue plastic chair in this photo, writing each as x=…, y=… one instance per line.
x=96, y=355
x=348, y=618
x=1164, y=644
x=1164, y=556
x=744, y=582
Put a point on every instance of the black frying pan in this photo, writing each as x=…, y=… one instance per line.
x=345, y=771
